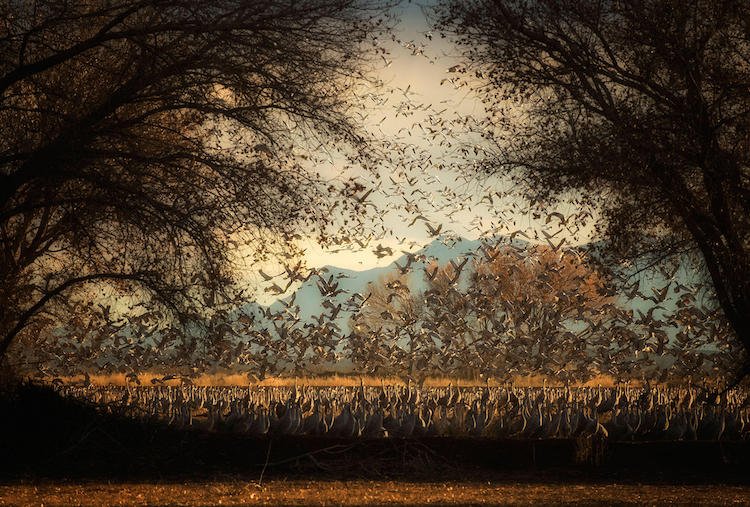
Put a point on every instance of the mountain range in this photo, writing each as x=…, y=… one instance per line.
x=310, y=303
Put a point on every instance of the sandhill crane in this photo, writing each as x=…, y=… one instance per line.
x=413, y=411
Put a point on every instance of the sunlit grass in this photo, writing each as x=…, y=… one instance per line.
x=332, y=380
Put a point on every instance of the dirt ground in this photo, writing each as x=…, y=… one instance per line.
x=364, y=492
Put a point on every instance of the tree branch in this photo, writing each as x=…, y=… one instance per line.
x=27, y=315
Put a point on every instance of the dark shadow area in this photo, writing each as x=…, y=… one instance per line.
x=47, y=437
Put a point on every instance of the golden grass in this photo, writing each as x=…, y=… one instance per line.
x=332, y=380
x=238, y=379
x=335, y=380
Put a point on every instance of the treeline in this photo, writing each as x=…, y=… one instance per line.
x=537, y=311
x=503, y=312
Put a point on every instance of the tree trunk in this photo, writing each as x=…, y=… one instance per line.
x=730, y=280
x=723, y=253
x=730, y=276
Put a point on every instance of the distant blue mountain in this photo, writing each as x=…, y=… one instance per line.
x=310, y=301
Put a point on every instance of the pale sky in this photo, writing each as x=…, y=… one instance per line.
x=413, y=71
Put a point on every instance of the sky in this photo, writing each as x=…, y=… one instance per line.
x=425, y=197
x=418, y=195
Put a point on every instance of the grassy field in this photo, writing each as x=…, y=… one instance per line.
x=333, y=380
x=366, y=492
x=63, y=453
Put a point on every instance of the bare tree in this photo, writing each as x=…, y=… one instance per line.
x=639, y=105
x=386, y=334
x=142, y=140
x=542, y=310
x=536, y=311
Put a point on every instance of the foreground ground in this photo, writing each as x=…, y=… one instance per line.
x=60, y=452
x=364, y=492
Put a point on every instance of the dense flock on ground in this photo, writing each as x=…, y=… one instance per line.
x=620, y=413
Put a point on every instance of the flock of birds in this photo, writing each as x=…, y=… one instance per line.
x=444, y=319
x=441, y=317
x=622, y=413
x=458, y=332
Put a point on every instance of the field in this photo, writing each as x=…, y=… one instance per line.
x=228, y=379
x=367, y=492
x=64, y=450
x=622, y=413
